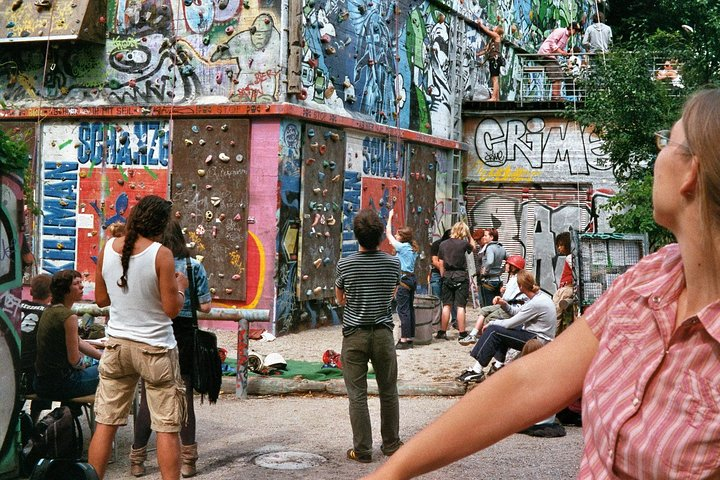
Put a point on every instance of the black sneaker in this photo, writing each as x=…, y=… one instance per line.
x=441, y=335
x=470, y=376
x=389, y=451
x=403, y=345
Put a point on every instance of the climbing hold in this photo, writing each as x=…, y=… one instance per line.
x=214, y=231
x=218, y=78
x=224, y=127
x=323, y=148
x=419, y=209
x=330, y=220
x=305, y=277
x=316, y=190
x=178, y=214
x=335, y=137
x=326, y=260
x=324, y=192
x=318, y=263
x=331, y=164
x=309, y=161
x=209, y=128
x=120, y=182
x=237, y=217
x=209, y=216
x=317, y=290
x=229, y=30
x=317, y=219
x=188, y=142
x=335, y=178
x=215, y=201
x=208, y=187
x=201, y=142
x=232, y=143
x=200, y=230
x=223, y=157
x=236, y=277
x=208, y=159
x=330, y=50
x=201, y=173
x=321, y=176
x=311, y=132
x=228, y=291
x=195, y=129
x=239, y=158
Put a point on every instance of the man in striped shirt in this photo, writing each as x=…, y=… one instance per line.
x=365, y=284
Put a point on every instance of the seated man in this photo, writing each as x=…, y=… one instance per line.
x=534, y=319
x=510, y=293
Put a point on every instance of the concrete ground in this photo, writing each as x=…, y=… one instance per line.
x=234, y=434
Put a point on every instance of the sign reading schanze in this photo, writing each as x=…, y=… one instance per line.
x=92, y=175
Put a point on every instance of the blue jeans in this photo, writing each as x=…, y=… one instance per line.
x=489, y=289
x=405, y=309
x=71, y=384
x=495, y=342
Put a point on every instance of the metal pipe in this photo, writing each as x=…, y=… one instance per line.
x=239, y=315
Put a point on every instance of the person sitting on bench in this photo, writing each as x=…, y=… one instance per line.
x=60, y=362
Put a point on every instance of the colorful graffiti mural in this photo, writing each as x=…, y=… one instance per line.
x=534, y=149
x=529, y=227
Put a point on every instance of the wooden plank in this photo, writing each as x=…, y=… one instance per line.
x=321, y=197
x=209, y=191
x=421, y=175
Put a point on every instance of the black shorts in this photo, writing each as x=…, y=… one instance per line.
x=494, y=66
x=455, y=290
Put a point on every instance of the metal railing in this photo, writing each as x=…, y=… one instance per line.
x=239, y=315
x=539, y=73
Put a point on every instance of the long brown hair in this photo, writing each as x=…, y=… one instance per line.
x=405, y=235
x=148, y=219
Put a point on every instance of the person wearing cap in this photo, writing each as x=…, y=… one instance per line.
x=510, y=293
x=554, y=46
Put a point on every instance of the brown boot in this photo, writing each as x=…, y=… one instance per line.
x=137, y=461
x=189, y=456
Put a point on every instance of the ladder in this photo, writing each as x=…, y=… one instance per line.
x=457, y=54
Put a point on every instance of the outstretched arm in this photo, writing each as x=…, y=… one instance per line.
x=388, y=227
x=550, y=379
x=488, y=31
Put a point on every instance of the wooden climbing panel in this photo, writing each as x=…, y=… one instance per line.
x=420, y=202
x=322, y=171
x=209, y=190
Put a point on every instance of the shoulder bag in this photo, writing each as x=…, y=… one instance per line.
x=207, y=366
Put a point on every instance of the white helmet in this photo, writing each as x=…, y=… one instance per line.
x=255, y=362
x=275, y=360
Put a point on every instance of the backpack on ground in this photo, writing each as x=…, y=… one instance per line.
x=58, y=435
x=61, y=469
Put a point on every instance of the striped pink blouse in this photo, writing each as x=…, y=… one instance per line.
x=651, y=399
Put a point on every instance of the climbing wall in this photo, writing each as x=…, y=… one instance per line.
x=421, y=171
x=322, y=157
x=209, y=191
